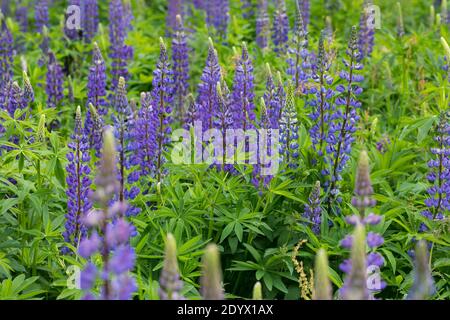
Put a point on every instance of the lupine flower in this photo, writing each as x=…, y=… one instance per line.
x=22, y=17
x=123, y=121
x=322, y=102
x=90, y=20
x=162, y=95
x=313, y=211
x=280, y=29
x=207, y=95
x=55, y=79
x=217, y=16
x=96, y=134
x=109, y=236
x=28, y=91
x=41, y=14
x=273, y=98
x=299, y=55
x=400, y=25
x=192, y=112
x=119, y=52
x=257, y=291
x=143, y=146
x=322, y=285
x=355, y=284
x=289, y=130
x=199, y=4
x=170, y=284
x=247, y=9
x=45, y=47
x=344, y=119
x=6, y=54
x=78, y=182
x=14, y=98
x=243, y=92
x=262, y=25
x=180, y=59
x=211, y=280
x=96, y=93
x=423, y=286
x=224, y=120
x=174, y=8
x=305, y=9
x=366, y=31
x=438, y=201
x=383, y=144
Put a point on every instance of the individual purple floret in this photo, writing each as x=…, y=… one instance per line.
x=243, y=107
x=366, y=31
x=207, y=93
x=343, y=119
x=90, y=20
x=78, y=185
x=162, y=100
x=313, y=210
x=109, y=236
x=180, y=60
x=41, y=14
x=280, y=29
x=262, y=25
x=55, y=79
x=289, y=130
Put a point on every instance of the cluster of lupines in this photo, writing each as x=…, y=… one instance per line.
x=217, y=16
x=280, y=29
x=343, y=119
x=78, y=182
x=6, y=54
x=366, y=30
x=162, y=100
x=41, y=14
x=109, y=236
x=439, y=176
x=298, y=60
x=207, y=93
x=55, y=79
x=289, y=130
x=180, y=60
x=313, y=210
x=262, y=25
x=96, y=95
x=123, y=120
x=120, y=53
x=362, y=201
x=170, y=284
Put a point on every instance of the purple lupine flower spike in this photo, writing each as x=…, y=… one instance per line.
x=119, y=53
x=180, y=60
x=289, y=130
x=298, y=60
x=305, y=9
x=343, y=120
x=22, y=17
x=162, y=95
x=262, y=25
x=423, y=287
x=6, y=54
x=96, y=134
x=438, y=201
x=273, y=99
x=207, y=95
x=55, y=79
x=192, y=112
x=90, y=20
x=247, y=9
x=280, y=29
x=109, y=236
x=170, y=284
x=243, y=92
x=78, y=182
x=41, y=14
x=313, y=211
x=217, y=16
x=174, y=8
x=366, y=31
x=28, y=91
x=223, y=121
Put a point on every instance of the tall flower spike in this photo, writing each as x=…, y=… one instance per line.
x=174, y=9
x=28, y=91
x=423, y=286
x=305, y=8
x=162, y=95
x=344, y=119
x=322, y=285
x=363, y=187
x=96, y=134
x=243, y=92
x=55, y=79
x=180, y=60
x=90, y=20
x=207, y=94
x=109, y=236
x=217, y=16
x=6, y=54
x=41, y=14
x=170, y=284
x=298, y=60
x=41, y=130
x=78, y=182
x=192, y=112
x=273, y=99
x=211, y=280
x=400, y=25
x=119, y=52
x=280, y=29
x=262, y=25
x=366, y=30
x=22, y=17
x=313, y=211
x=224, y=120
x=355, y=284
x=289, y=130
